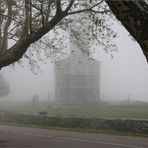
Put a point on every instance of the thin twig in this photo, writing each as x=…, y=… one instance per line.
x=88, y=9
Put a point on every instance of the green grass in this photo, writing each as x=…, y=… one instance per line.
x=134, y=110
x=104, y=110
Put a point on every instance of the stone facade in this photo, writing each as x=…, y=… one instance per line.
x=77, y=79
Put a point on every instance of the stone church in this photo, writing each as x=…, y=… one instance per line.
x=77, y=77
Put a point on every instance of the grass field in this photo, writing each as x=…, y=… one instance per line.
x=135, y=110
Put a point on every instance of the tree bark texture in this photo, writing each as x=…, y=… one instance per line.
x=133, y=14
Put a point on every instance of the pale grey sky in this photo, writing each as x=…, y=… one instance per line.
x=126, y=74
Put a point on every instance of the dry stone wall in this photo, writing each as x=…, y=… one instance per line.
x=121, y=125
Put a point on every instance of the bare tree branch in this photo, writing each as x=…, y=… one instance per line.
x=30, y=17
x=48, y=11
x=1, y=21
x=88, y=9
x=17, y=51
x=33, y=21
x=59, y=8
x=20, y=23
x=42, y=14
x=27, y=16
x=7, y=25
x=69, y=6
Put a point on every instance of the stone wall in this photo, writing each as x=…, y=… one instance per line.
x=121, y=125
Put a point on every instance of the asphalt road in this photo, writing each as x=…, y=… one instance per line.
x=20, y=137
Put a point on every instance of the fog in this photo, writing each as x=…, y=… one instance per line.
x=123, y=77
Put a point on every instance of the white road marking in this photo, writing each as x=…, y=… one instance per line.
x=82, y=140
x=99, y=142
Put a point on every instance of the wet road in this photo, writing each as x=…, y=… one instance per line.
x=21, y=137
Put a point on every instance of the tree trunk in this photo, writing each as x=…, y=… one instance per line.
x=16, y=52
x=133, y=14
